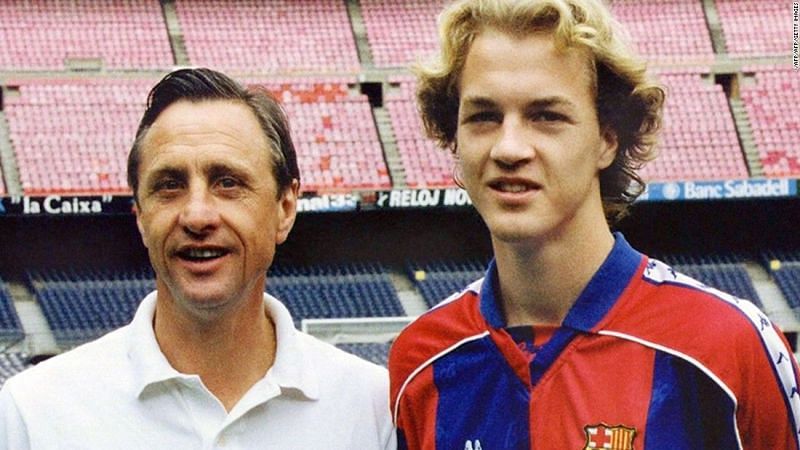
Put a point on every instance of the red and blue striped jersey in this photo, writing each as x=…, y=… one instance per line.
x=646, y=358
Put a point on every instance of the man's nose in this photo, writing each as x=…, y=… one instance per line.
x=514, y=144
x=200, y=213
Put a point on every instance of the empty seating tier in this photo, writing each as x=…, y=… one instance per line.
x=10, y=326
x=699, y=140
x=335, y=292
x=771, y=103
x=376, y=352
x=424, y=163
x=283, y=36
x=11, y=364
x=73, y=136
x=439, y=280
x=730, y=278
x=667, y=31
x=83, y=146
x=400, y=32
x=82, y=305
x=52, y=35
x=755, y=28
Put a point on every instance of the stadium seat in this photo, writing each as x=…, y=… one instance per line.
x=667, y=31
x=771, y=104
x=376, y=352
x=11, y=364
x=755, y=28
x=282, y=36
x=400, y=32
x=338, y=291
x=438, y=280
x=698, y=139
x=48, y=35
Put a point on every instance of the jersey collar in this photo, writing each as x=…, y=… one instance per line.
x=597, y=298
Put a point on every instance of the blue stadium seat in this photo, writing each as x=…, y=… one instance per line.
x=376, y=352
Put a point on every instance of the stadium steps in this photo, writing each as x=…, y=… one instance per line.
x=8, y=160
x=775, y=304
x=360, y=33
x=390, y=152
x=745, y=133
x=175, y=34
x=412, y=301
x=39, y=338
x=715, y=27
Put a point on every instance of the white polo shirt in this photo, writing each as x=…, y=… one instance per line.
x=119, y=392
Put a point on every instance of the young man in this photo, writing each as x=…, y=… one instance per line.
x=209, y=360
x=573, y=340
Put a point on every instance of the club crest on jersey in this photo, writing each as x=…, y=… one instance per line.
x=604, y=437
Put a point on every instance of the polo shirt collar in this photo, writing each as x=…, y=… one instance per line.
x=597, y=298
x=293, y=367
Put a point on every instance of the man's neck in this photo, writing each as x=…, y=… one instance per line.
x=230, y=353
x=540, y=283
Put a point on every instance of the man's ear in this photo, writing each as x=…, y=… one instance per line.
x=608, y=150
x=287, y=211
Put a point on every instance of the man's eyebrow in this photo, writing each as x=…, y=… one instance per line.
x=539, y=103
x=166, y=172
x=216, y=170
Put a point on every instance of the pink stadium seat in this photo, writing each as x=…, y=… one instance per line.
x=400, y=31
x=756, y=28
x=698, y=140
x=83, y=148
x=425, y=164
x=45, y=35
x=282, y=36
x=667, y=31
x=771, y=105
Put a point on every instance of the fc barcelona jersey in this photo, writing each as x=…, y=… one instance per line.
x=646, y=358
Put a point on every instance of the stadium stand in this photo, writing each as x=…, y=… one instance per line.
x=400, y=32
x=281, y=36
x=81, y=305
x=83, y=146
x=376, y=352
x=755, y=28
x=337, y=291
x=425, y=164
x=436, y=281
x=667, y=31
x=94, y=121
x=51, y=35
x=771, y=104
x=335, y=134
x=11, y=364
x=699, y=140
x=10, y=326
x=787, y=277
x=731, y=278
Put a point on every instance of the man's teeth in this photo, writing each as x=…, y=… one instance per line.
x=203, y=253
x=508, y=187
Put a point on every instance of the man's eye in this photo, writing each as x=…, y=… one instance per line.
x=168, y=185
x=483, y=116
x=549, y=116
x=228, y=182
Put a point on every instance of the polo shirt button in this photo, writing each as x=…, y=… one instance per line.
x=221, y=441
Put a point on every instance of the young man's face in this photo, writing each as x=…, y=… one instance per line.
x=528, y=137
x=208, y=210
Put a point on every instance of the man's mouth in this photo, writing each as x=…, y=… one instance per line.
x=512, y=187
x=201, y=254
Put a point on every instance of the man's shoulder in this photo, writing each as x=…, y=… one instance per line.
x=436, y=333
x=679, y=314
x=85, y=363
